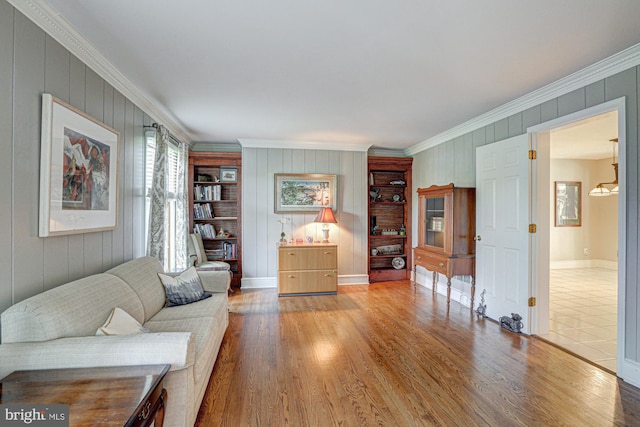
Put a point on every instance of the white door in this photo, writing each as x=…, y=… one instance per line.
x=502, y=227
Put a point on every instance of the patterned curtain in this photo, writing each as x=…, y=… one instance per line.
x=157, y=240
x=182, y=208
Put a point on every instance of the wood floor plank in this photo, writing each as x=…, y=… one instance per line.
x=392, y=354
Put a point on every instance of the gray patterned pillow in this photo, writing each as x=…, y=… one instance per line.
x=183, y=289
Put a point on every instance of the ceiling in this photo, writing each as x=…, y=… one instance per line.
x=371, y=72
x=588, y=139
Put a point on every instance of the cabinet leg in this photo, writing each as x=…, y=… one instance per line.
x=473, y=290
x=434, y=280
x=448, y=290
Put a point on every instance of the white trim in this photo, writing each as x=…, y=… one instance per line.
x=54, y=24
x=272, y=282
x=353, y=279
x=304, y=145
x=258, y=282
x=616, y=63
x=628, y=370
x=457, y=286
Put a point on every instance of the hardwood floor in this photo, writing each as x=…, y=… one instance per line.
x=390, y=354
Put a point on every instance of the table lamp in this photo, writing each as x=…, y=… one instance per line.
x=325, y=216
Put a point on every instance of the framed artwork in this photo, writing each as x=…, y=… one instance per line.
x=78, y=171
x=228, y=174
x=568, y=203
x=304, y=192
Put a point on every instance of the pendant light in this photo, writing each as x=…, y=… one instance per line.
x=600, y=190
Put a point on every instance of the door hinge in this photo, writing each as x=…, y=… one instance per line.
x=532, y=228
x=532, y=302
x=533, y=155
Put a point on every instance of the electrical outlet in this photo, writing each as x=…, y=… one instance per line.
x=586, y=251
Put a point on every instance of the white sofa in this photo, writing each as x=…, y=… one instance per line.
x=56, y=329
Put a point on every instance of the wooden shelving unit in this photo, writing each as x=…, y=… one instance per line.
x=217, y=206
x=389, y=210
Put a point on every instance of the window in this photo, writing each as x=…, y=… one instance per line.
x=170, y=263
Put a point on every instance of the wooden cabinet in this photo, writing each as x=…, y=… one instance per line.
x=389, y=218
x=215, y=206
x=308, y=269
x=446, y=228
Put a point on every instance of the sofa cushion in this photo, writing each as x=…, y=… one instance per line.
x=203, y=329
x=216, y=306
x=184, y=288
x=75, y=309
x=120, y=322
x=142, y=275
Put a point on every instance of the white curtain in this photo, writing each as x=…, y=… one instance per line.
x=182, y=221
x=167, y=240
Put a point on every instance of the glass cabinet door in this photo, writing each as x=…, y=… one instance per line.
x=435, y=222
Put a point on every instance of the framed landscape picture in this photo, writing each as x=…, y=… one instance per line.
x=78, y=171
x=304, y=192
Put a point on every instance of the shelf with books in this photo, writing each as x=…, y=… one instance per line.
x=215, y=209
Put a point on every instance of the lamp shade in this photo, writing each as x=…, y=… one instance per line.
x=325, y=216
x=599, y=191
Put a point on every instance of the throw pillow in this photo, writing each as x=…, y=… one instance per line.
x=184, y=288
x=120, y=322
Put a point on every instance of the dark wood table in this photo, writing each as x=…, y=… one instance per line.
x=113, y=396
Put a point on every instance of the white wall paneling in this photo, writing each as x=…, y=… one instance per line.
x=261, y=229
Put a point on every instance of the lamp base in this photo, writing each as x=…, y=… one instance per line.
x=325, y=234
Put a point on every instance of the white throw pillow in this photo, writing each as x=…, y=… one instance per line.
x=121, y=323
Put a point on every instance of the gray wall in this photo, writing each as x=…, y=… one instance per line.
x=261, y=229
x=32, y=63
x=454, y=161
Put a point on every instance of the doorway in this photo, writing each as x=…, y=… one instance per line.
x=583, y=240
x=571, y=256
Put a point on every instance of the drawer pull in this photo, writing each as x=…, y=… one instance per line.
x=419, y=257
x=328, y=253
x=327, y=275
x=441, y=264
x=290, y=253
x=291, y=277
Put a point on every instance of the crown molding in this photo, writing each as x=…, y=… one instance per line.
x=54, y=24
x=304, y=145
x=614, y=64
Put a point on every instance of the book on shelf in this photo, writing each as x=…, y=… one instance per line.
x=230, y=250
x=207, y=192
x=203, y=211
x=207, y=231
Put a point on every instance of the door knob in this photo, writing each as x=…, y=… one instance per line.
x=477, y=238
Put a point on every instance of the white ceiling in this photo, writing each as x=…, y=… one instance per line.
x=390, y=74
x=588, y=139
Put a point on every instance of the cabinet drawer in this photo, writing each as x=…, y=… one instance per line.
x=432, y=262
x=307, y=281
x=307, y=258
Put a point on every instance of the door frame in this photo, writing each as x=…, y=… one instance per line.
x=540, y=207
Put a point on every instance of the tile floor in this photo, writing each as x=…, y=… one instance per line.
x=583, y=313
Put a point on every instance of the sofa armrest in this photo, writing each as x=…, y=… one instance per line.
x=175, y=348
x=215, y=281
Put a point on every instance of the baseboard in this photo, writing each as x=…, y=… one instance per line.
x=457, y=286
x=629, y=371
x=353, y=279
x=259, y=282
x=272, y=282
x=583, y=263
